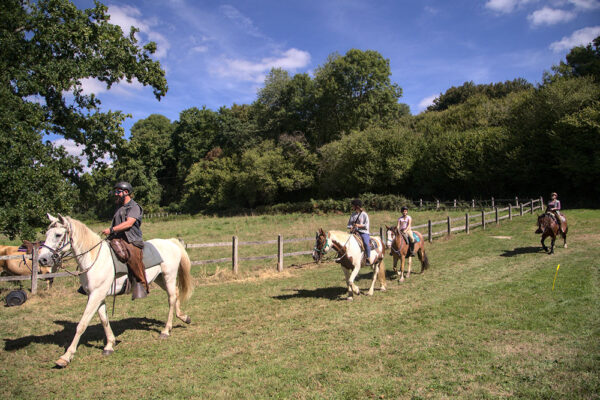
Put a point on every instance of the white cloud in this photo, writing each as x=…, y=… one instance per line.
x=128, y=16
x=505, y=6
x=581, y=37
x=241, y=20
x=550, y=16
x=245, y=70
x=585, y=4
x=93, y=85
x=427, y=101
x=76, y=150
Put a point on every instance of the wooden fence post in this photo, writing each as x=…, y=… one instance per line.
x=541, y=203
x=454, y=203
x=449, y=228
x=493, y=203
x=429, y=231
x=483, y=219
x=473, y=203
x=234, y=255
x=531, y=205
x=420, y=203
x=34, y=268
x=510, y=212
x=516, y=201
x=497, y=220
x=467, y=223
x=521, y=209
x=437, y=204
x=279, y=253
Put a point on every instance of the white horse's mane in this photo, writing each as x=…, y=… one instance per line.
x=80, y=233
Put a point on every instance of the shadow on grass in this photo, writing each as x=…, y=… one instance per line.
x=522, y=250
x=93, y=333
x=331, y=293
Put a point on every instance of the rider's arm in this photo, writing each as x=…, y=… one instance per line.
x=123, y=226
x=409, y=225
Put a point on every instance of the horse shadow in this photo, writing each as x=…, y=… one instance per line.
x=91, y=337
x=522, y=250
x=330, y=293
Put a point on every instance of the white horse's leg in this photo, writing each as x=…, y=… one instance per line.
x=110, y=337
x=94, y=301
x=348, y=286
x=375, y=274
x=173, y=298
x=409, y=267
x=353, y=275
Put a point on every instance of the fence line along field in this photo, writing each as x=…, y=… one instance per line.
x=452, y=225
x=483, y=322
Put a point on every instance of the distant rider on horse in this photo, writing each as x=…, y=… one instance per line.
x=554, y=208
x=405, y=228
x=359, y=222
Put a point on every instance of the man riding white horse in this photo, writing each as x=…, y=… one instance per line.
x=126, y=232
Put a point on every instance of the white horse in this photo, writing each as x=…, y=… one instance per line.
x=97, y=275
x=350, y=257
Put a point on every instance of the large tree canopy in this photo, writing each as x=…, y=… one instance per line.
x=47, y=48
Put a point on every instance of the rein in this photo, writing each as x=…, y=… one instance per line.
x=58, y=257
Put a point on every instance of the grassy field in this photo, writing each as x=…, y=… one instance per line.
x=483, y=322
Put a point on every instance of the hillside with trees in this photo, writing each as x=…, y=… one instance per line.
x=341, y=132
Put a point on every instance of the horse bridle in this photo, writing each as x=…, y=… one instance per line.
x=58, y=255
x=321, y=251
x=392, y=245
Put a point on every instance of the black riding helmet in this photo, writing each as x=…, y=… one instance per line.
x=404, y=208
x=124, y=186
x=356, y=202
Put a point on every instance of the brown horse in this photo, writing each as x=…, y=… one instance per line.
x=547, y=226
x=399, y=249
x=21, y=266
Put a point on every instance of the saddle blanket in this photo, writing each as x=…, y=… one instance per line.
x=151, y=258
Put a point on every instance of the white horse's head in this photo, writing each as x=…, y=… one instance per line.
x=322, y=245
x=58, y=241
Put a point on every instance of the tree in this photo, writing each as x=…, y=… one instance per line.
x=352, y=92
x=581, y=61
x=47, y=48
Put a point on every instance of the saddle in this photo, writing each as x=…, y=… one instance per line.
x=372, y=242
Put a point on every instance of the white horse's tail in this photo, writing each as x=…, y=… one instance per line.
x=184, y=278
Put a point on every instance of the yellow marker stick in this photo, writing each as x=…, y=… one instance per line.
x=555, y=276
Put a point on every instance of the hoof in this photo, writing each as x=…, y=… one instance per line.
x=565, y=246
x=107, y=352
x=164, y=336
x=369, y=293
x=61, y=363
x=188, y=320
x=383, y=289
x=349, y=298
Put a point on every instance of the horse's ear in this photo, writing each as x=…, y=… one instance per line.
x=62, y=220
x=321, y=231
x=51, y=218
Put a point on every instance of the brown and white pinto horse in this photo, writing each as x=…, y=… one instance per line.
x=350, y=257
x=547, y=226
x=399, y=249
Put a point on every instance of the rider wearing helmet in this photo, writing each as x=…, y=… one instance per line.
x=126, y=225
x=359, y=222
x=554, y=208
x=405, y=228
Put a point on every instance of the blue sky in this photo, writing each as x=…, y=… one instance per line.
x=217, y=53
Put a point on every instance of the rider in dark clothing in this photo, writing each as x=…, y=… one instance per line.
x=126, y=225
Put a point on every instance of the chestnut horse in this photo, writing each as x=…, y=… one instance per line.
x=19, y=266
x=547, y=226
x=399, y=249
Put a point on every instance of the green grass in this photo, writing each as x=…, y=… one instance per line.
x=483, y=322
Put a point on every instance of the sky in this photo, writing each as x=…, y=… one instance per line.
x=218, y=53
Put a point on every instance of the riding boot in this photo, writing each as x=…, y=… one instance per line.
x=412, y=249
x=139, y=291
